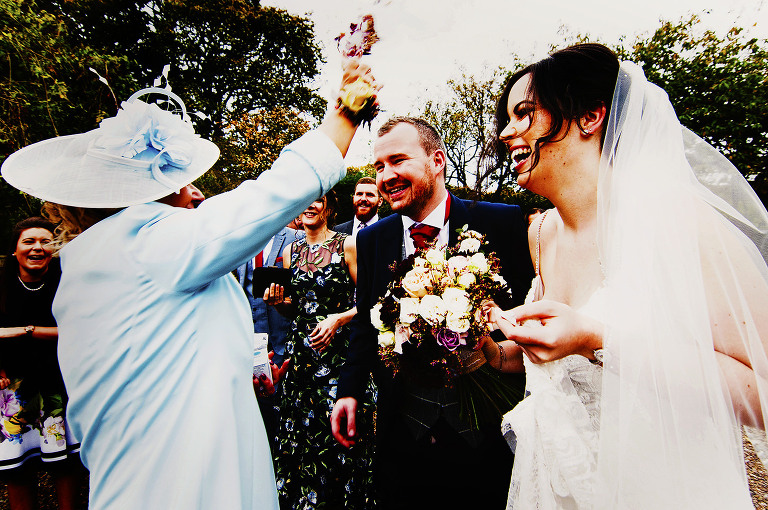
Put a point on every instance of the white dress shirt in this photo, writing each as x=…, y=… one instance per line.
x=356, y=223
x=435, y=219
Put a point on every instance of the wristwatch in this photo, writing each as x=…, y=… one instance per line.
x=28, y=330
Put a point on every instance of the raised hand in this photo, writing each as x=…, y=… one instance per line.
x=358, y=94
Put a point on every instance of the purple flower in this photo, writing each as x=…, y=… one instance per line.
x=9, y=404
x=447, y=338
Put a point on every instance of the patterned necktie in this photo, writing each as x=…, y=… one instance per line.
x=422, y=235
x=361, y=226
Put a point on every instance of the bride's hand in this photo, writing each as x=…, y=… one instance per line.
x=495, y=318
x=550, y=330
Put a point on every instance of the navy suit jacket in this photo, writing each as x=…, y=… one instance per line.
x=380, y=245
x=345, y=227
x=266, y=319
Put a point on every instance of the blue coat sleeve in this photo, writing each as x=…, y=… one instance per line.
x=185, y=249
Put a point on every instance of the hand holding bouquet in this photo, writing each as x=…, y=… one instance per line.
x=357, y=99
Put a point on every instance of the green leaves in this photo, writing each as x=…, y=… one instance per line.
x=246, y=67
x=464, y=120
x=45, y=88
x=718, y=86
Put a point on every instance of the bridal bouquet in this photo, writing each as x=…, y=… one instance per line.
x=433, y=304
x=429, y=320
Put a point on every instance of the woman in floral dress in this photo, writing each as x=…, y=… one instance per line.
x=32, y=395
x=313, y=470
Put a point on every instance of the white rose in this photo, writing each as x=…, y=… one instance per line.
x=386, y=339
x=466, y=280
x=479, y=262
x=417, y=281
x=457, y=264
x=432, y=309
x=376, y=317
x=469, y=245
x=435, y=257
x=456, y=301
x=409, y=309
x=456, y=322
x=419, y=262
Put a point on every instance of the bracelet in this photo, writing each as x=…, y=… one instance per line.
x=29, y=330
x=502, y=355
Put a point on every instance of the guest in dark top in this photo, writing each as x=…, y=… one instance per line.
x=33, y=431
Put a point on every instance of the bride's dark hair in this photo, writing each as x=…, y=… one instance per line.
x=566, y=84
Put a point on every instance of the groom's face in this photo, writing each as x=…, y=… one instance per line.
x=405, y=174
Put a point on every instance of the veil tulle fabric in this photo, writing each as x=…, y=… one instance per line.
x=680, y=237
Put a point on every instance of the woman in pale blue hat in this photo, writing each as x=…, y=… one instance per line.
x=155, y=335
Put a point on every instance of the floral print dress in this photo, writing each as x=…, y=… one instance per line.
x=32, y=408
x=313, y=470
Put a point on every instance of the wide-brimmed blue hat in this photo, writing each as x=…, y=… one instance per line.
x=141, y=154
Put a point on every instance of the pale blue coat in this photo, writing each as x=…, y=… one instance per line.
x=155, y=342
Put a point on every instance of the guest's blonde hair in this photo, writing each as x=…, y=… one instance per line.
x=72, y=221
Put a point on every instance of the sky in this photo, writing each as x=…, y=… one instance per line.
x=425, y=43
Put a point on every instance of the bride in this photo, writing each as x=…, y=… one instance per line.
x=644, y=336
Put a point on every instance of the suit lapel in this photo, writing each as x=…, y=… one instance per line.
x=386, y=250
x=392, y=244
x=247, y=273
x=458, y=217
x=274, y=252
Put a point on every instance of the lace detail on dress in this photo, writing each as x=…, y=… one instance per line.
x=311, y=257
x=554, y=430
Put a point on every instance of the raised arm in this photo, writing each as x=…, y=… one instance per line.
x=185, y=249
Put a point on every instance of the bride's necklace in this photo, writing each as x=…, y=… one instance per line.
x=31, y=289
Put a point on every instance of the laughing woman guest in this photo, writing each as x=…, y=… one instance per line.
x=311, y=466
x=32, y=395
x=155, y=334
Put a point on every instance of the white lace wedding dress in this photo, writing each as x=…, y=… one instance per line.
x=554, y=430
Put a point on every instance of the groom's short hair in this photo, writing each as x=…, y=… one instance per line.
x=429, y=138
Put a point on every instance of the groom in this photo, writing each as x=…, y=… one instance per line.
x=426, y=456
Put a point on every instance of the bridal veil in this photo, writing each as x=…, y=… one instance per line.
x=682, y=240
